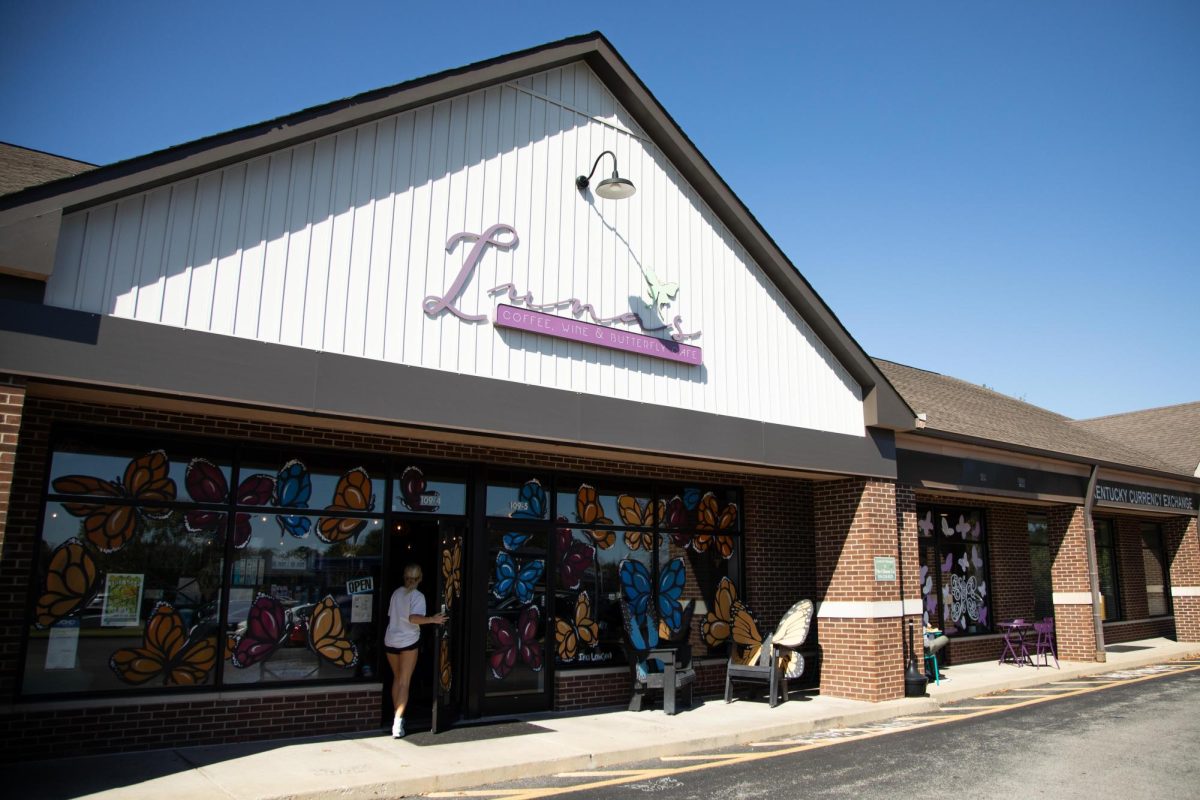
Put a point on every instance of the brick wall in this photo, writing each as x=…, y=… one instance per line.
x=42, y=732
x=856, y=520
x=778, y=544
x=1182, y=544
x=1073, y=624
x=1131, y=571
x=12, y=584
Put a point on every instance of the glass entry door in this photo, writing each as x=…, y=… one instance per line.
x=448, y=654
x=515, y=664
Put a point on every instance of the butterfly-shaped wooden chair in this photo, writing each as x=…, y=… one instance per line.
x=656, y=661
x=772, y=661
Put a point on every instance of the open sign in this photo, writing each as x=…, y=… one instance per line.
x=360, y=586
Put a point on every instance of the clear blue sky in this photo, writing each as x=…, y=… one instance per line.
x=1006, y=192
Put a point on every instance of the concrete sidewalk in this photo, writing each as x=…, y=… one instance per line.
x=374, y=765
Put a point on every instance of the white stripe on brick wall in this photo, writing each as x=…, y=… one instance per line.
x=852, y=609
x=1185, y=591
x=1072, y=598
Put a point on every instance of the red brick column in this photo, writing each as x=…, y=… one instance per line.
x=1073, y=622
x=12, y=402
x=14, y=553
x=1183, y=556
x=860, y=627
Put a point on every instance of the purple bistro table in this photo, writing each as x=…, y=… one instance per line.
x=1015, y=650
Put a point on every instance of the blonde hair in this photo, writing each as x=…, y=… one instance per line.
x=413, y=570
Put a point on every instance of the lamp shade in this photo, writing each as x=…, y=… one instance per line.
x=615, y=188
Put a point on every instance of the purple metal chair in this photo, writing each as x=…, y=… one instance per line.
x=1046, y=646
x=1014, y=643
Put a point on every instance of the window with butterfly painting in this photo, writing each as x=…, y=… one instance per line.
x=646, y=544
x=200, y=565
x=954, y=570
x=700, y=535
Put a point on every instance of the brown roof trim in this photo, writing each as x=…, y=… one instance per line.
x=993, y=444
x=883, y=405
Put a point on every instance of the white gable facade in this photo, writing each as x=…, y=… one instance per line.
x=343, y=244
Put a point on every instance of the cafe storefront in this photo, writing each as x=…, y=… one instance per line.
x=272, y=367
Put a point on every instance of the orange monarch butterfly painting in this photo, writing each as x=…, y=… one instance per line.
x=634, y=513
x=327, y=635
x=451, y=573
x=445, y=671
x=718, y=622
x=109, y=526
x=589, y=512
x=708, y=519
x=584, y=630
x=167, y=652
x=71, y=582
x=353, y=493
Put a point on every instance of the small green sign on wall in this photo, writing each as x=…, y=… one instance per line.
x=885, y=568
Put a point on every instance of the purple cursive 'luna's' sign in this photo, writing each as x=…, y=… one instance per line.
x=504, y=237
x=600, y=335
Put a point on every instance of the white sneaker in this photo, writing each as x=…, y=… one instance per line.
x=398, y=728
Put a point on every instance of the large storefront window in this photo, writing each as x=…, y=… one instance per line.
x=195, y=566
x=1040, y=564
x=666, y=548
x=1158, y=602
x=1106, y=568
x=954, y=574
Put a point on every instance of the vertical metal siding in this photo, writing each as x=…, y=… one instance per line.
x=333, y=245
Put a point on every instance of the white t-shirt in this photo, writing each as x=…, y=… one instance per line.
x=400, y=632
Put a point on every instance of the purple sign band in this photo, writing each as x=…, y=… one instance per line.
x=613, y=338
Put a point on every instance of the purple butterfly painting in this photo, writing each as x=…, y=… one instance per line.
x=512, y=643
x=574, y=559
x=206, y=484
x=264, y=631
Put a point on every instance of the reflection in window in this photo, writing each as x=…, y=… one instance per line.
x=1154, y=563
x=1040, y=564
x=516, y=609
x=110, y=621
x=130, y=574
x=682, y=544
x=954, y=582
x=1106, y=567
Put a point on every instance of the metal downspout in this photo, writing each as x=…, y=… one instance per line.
x=1089, y=534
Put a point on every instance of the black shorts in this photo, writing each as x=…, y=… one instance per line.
x=398, y=650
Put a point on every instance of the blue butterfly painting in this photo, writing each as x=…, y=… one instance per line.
x=518, y=581
x=514, y=540
x=636, y=589
x=293, y=488
x=531, y=502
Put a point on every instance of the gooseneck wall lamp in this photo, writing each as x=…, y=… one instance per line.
x=614, y=188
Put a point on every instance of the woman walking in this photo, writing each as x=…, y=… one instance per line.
x=406, y=615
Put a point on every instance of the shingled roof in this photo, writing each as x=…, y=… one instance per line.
x=21, y=167
x=1171, y=433
x=971, y=412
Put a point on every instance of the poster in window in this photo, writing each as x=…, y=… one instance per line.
x=122, y=600
x=63, y=646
